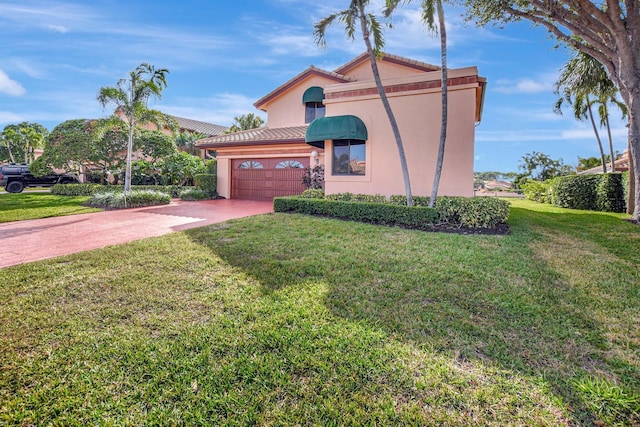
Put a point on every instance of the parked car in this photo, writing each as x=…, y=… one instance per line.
x=15, y=178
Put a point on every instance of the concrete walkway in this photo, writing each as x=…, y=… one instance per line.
x=33, y=240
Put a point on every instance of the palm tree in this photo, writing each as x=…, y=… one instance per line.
x=130, y=96
x=584, y=83
x=186, y=141
x=369, y=25
x=245, y=122
x=429, y=10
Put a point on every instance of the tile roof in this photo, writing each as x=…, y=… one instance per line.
x=263, y=135
x=309, y=71
x=205, y=128
x=422, y=66
x=621, y=164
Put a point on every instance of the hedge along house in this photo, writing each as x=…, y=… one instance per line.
x=336, y=119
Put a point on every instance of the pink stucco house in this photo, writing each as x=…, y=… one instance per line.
x=336, y=119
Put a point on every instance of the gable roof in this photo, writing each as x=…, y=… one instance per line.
x=312, y=70
x=197, y=126
x=395, y=59
x=263, y=135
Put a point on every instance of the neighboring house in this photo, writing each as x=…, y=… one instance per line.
x=621, y=164
x=496, y=185
x=336, y=119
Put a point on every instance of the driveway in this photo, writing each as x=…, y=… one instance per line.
x=33, y=240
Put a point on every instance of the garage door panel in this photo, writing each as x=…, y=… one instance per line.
x=264, y=179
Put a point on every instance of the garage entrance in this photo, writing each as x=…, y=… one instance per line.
x=264, y=179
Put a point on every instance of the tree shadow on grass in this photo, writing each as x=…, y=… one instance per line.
x=521, y=303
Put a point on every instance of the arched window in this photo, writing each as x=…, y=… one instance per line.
x=293, y=164
x=250, y=164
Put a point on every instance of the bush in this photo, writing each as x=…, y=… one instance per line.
x=475, y=212
x=211, y=166
x=576, y=192
x=610, y=195
x=313, y=193
x=133, y=199
x=313, y=178
x=402, y=200
x=350, y=197
x=194, y=194
x=91, y=189
x=536, y=190
x=78, y=189
x=208, y=183
x=374, y=213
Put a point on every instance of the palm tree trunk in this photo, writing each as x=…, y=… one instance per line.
x=595, y=130
x=387, y=106
x=13, y=160
x=127, y=169
x=445, y=104
x=606, y=122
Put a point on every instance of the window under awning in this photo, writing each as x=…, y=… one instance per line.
x=336, y=127
x=313, y=94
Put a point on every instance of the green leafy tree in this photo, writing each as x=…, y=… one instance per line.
x=18, y=142
x=130, y=96
x=540, y=167
x=245, y=122
x=608, y=31
x=431, y=8
x=154, y=144
x=181, y=168
x=356, y=14
x=85, y=146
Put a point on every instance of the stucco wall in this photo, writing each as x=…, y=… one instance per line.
x=419, y=115
x=288, y=109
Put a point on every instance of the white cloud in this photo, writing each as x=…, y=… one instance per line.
x=541, y=83
x=9, y=117
x=58, y=28
x=10, y=87
x=219, y=109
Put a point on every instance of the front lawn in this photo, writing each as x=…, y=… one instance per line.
x=291, y=320
x=34, y=205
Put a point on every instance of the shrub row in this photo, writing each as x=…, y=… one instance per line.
x=374, y=213
x=475, y=212
x=91, y=189
x=602, y=192
x=133, y=199
x=207, y=183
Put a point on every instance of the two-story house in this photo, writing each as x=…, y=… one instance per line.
x=336, y=119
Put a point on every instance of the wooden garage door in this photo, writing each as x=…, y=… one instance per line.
x=264, y=179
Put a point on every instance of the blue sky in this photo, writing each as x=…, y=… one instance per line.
x=224, y=55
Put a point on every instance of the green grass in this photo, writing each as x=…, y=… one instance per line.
x=293, y=320
x=39, y=204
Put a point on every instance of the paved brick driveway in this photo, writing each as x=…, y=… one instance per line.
x=33, y=240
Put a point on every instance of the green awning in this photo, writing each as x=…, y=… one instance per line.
x=337, y=127
x=313, y=94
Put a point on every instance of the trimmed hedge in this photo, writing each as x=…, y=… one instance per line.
x=374, y=213
x=208, y=183
x=91, y=189
x=470, y=212
x=601, y=192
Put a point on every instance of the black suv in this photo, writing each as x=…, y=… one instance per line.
x=15, y=178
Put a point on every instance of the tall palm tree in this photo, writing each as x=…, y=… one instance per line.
x=130, y=96
x=429, y=10
x=245, y=122
x=584, y=83
x=369, y=25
